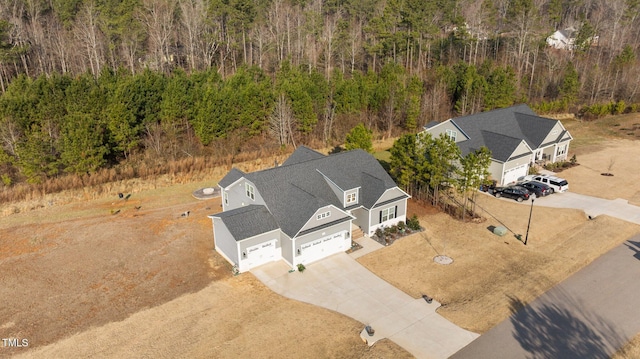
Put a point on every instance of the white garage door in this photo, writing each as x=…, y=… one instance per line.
x=513, y=174
x=323, y=247
x=260, y=254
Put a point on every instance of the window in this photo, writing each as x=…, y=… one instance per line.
x=226, y=197
x=352, y=197
x=323, y=215
x=452, y=134
x=250, y=191
x=387, y=214
x=562, y=150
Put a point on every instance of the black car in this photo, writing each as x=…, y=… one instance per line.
x=538, y=188
x=516, y=192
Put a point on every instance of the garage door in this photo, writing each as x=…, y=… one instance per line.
x=260, y=254
x=323, y=247
x=513, y=174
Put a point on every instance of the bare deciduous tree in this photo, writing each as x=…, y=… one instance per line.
x=282, y=122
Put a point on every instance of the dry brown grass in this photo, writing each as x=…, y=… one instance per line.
x=629, y=351
x=487, y=269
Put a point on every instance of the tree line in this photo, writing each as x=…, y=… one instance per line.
x=91, y=83
x=62, y=124
x=86, y=36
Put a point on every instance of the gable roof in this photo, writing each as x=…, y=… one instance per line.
x=503, y=129
x=231, y=177
x=302, y=154
x=295, y=191
x=248, y=221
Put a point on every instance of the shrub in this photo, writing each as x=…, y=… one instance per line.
x=573, y=159
x=379, y=233
x=413, y=223
x=401, y=226
x=301, y=267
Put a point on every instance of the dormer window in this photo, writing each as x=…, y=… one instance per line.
x=250, y=191
x=452, y=134
x=352, y=198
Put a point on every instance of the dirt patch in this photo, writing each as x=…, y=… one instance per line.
x=231, y=318
x=619, y=157
x=136, y=278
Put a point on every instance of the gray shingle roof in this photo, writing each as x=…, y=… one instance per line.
x=501, y=130
x=302, y=154
x=233, y=175
x=248, y=221
x=294, y=192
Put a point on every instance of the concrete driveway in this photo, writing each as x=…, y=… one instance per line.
x=341, y=284
x=592, y=206
x=590, y=315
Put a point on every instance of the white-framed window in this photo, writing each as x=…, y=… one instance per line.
x=225, y=195
x=562, y=150
x=452, y=134
x=387, y=214
x=250, y=191
x=323, y=215
x=352, y=197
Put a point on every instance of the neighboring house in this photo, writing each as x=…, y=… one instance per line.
x=516, y=137
x=303, y=210
x=566, y=39
x=562, y=39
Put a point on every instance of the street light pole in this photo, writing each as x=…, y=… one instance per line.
x=529, y=224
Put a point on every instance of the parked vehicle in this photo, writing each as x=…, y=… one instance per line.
x=516, y=192
x=557, y=184
x=538, y=188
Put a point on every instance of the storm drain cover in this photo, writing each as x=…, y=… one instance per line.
x=442, y=259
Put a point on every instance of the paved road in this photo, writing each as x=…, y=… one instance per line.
x=592, y=206
x=341, y=284
x=589, y=315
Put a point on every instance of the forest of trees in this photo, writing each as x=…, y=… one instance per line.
x=86, y=84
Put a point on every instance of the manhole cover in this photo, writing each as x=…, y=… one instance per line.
x=442, y=260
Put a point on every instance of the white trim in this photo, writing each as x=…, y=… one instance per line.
x=383, y=193
x=454, y=124
x=355, y=192
x=261, y=234
x=451, y=134
x=313, y=217
x=233, y=183
x=251, y=194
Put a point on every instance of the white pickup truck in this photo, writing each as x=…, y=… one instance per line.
x=557, y=184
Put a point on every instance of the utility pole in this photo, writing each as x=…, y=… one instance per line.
x=529, y=224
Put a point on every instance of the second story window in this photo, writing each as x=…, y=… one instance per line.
x=352, y=198
x=250, y=191
x=452, y=134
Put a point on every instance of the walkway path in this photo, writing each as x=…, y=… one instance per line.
x=341, y=284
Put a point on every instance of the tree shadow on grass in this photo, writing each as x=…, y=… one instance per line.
x=562, y=328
